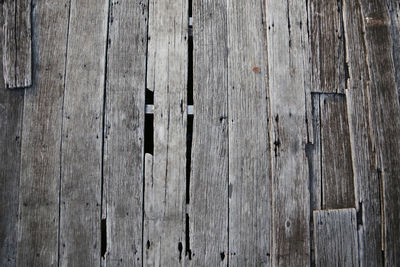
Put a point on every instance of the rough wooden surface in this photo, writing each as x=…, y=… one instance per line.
x=249, y=169
x=17, y=43
x=335, y=236
x=165, y=201
x=81, y=134
x=122, y=205
x=394, y=12
x=290, y=177
x=208, y=207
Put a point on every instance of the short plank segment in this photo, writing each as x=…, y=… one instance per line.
x=11, y=108
x=208, y=208
x=249, y=152
x=165, y=198
x=336, y=165
x=17, y=43
x=41, y=139
x=124, y=130
x=81, y=157
x=287, y=57
x=394, y=12
x=327, y=46
x=335, y=237
x=367, y=183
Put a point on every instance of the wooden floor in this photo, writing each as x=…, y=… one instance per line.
x=200, y=133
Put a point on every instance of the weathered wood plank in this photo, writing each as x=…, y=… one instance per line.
x=17, y=43
x=124, y=132
x=249, y=154
x=81, y=151
x=385, y=118
x=336, y=165
x=287, y=57
x=165, y=202
x=367, y=183
x=208, y=208
x=335, y=237
x=327, y=46
x=41, y=139
x=394, y=12
x=11, y=107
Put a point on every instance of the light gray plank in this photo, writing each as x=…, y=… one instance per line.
x=287, y=56
x=124, y=132
x=41, y=139
x=336, y=165
x=208, y=207
x=17, y=43
x=327, y=45
x=249, y=154
x=165, y=202
x=367, y=182
x=11, y=109
x=335, y=237
x=81, y=153
x=394, y=12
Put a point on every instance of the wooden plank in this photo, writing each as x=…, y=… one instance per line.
x=41, y=139
x=336, y=165
x=81, y=134
x=124, y=132
x=335, y=237
x=327, y=46
x=287, y=56
x=249, y=154
x=385, y=118
x=11, y=108
x=17, y=43
x=394, y=12
x=165, y=197
x=367, y=182
x=208, y=208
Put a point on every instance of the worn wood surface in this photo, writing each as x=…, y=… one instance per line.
x=165, y=195
x=17, y=58
x=394, y=13
x=335, y=235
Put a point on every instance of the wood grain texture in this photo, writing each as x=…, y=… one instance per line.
x=208, y=208
x=335, y=237
x=336, y=165
x=315, y=156
x=17, y=58
x=41, y=139
x=165, y=197
x=249, y=169
x=124, y=130
x=367, y=182
x=11, y=110
x=287, y=57
x=81, y=153
x=385, y=118
x=394, y=12
x=327, y=46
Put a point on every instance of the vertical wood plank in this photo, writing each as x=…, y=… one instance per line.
x=41, y=139
x=335, y=234
x=249, y=154
x=124, y=132
x=287, y=56
x=17, y=43
x=336, y=165
x=81, y=134
x=208, y=208
x=165, y=202
x=327, y=46
x=394, y=12
x=315, y=156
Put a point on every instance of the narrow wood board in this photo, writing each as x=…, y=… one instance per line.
x=17, y=58
x=122, y=205
x=38, y=227
x=208, y=207
x=165, y=196
x=287, y=56
x=81, y=153
x=249, y=149
x=335, y=237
